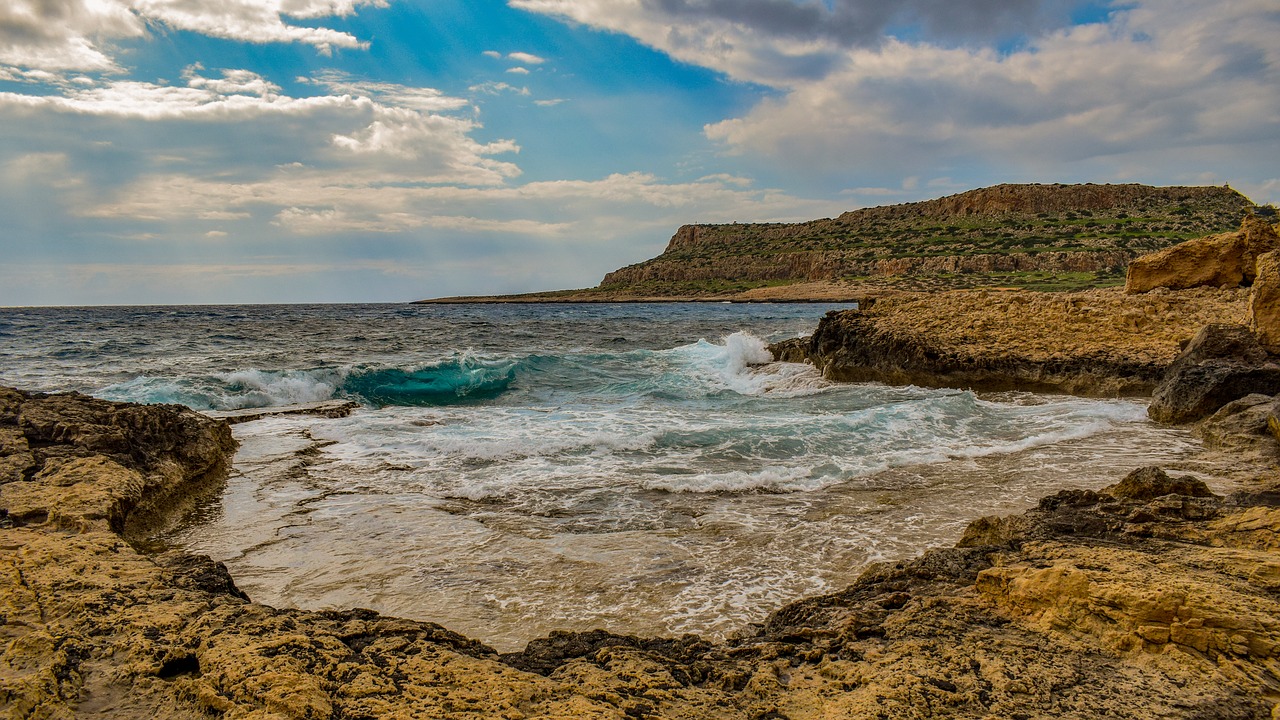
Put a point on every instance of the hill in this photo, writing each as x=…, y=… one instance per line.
x=1032, y=236
x=1050, y=236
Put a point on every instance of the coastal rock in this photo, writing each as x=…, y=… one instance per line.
x=1216, y=261
x=1224, y=260
x=1149, y=483
x=1265, y=302
x=1099, y=343
x=1151, y=598
x=1241, y=426
x=1222, y=363
x=1259, y=238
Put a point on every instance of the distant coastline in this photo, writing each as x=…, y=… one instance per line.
x=1051, y=237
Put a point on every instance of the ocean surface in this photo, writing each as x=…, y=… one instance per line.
x=518, y=469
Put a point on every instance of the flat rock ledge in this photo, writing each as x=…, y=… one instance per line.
x=323, y=408
x=1098, y=343
x=1150, y=598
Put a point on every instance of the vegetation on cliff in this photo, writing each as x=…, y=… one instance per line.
x=1048, y=237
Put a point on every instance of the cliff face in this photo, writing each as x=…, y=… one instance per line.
x=1001, y=232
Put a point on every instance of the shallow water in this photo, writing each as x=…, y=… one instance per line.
x=515, y=470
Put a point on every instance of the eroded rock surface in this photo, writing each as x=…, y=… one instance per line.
x=1222, y=363
x=1223, y=260
x=1100, y=342
x=1265, y=302
x=1151, y=598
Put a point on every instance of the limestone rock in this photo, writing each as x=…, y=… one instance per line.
x=1217, y=260
x=1098, y=343
x=1265, y=302
x=1154, y=598
x=1259, y=238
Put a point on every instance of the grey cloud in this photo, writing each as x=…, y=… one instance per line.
x=865, y=22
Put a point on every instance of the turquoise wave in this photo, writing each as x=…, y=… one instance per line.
x=448, y=383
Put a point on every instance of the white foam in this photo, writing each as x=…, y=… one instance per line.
x=260, y=388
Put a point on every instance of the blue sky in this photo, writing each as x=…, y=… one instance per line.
x=178, y=151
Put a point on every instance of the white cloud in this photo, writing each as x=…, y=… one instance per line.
x=526, y=58
x=518, y=70
x=78, y=35
x=495, y=88
x=551, y=102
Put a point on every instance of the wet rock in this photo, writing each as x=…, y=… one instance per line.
x=1151, y=598
x=1151, y=482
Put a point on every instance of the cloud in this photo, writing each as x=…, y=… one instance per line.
x=495, y=88
x=518, y=70
x=55, y=35
x=526, y=58
x=1187, y=76
x=776, y=42
x=78, y=35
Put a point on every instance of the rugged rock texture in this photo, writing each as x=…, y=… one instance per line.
x=1222, y=363
x=1216, y=261
x=1100, y=342
x=1152, y=598
x=1265, y=319
x=1225, y=260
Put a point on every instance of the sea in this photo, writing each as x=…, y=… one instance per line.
x=517, y=469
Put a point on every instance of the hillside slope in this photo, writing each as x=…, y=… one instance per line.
x=1034, y=236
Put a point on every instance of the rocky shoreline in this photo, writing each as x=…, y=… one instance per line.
x=1150, y=598
x=1154, y=597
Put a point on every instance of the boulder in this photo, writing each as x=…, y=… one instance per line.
x=1217, y=260
x=1259, y=238
x=1265, y=301
x=1149, y=483
x=1193, y=392
x=1222, y=363
x=1221, y=341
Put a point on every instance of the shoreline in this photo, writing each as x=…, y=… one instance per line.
x=1152, y=597
x=1160, y=559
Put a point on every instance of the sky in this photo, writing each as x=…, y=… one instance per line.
x=251, y=151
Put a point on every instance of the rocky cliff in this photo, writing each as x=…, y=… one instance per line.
x=1002, y=235
x=1155, y=597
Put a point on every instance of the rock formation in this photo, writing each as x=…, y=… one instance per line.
x=1215, y=261
x=1265, y=319
x=1225, y=260
x=1152, y=598
x=1222, y=363
x=1100, y=342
